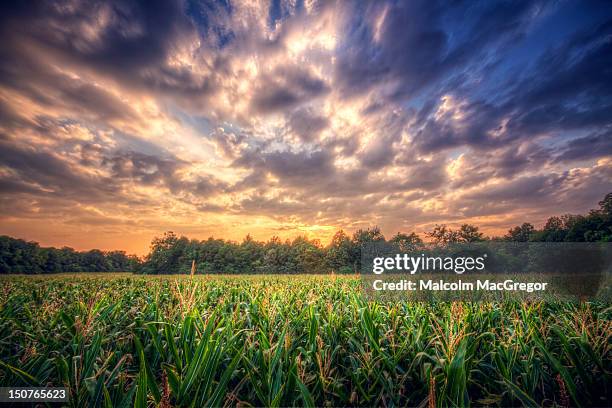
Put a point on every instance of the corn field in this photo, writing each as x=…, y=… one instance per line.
x=122, y=340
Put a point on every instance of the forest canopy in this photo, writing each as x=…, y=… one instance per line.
x=171, y=253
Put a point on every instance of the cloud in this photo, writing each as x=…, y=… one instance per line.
x=408, y=47
x=235, y=117
x=520, y=189
x=285, y=88
x=589, y=147
x=141, y=168
x=307, y=124
x=47, y=174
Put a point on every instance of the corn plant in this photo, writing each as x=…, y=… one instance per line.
x=124, y=340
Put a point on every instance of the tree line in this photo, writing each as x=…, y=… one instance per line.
x=172, y=253
x=19, y=256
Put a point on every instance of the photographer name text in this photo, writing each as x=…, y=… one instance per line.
x=456, y=286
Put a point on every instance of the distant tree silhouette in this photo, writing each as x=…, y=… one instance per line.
x=172, y=253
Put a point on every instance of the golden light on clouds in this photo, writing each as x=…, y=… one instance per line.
x=288, y=119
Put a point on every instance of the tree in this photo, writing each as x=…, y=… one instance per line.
x=19, y=256
x=522, y=233
x=339, y=252
x=470, y=233
x=52, y=260
x=360, y=239
x=166, y=253
x=95, y=261
x=173, y=254
x=442, y=235
x=308, y=254
x=250, y=255
x=554, y=230
x=407, y=242
x=605, y=205
x=279, y=257
x=368, y=235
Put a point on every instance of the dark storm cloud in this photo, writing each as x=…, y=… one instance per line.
x=41, y=174
x=164, y=172
x=311, y=172
x=11, y=186
x=293, y=167
x=514, y=160
x=569, y=88
x=122, y=34
x=413, y=45
x=426, y=176
x=274, y=98
x=300, y=205
x=28, y=70
x=441, y=133
x=378, y=153
x=592, y=146
x=314, y=176
x=129, y=42
x=49, y=174
x=315, y=165
x=505, y=163
x=518, y=189
x=573, y=191
x=255, y=180
x=54, y=90
x=306, y=124
x=529, y=193
x=287, y=87
x=140, y=167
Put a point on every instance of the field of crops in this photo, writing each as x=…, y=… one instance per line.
x=123, y=340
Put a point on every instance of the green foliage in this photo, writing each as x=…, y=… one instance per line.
x=174, y=254
x=407, y=242
x=272, y=340
x=341, y=254
x=522, y=233
x=19, y=256
x=443, y=235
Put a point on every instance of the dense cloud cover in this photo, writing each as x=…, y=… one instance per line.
x=119, y=120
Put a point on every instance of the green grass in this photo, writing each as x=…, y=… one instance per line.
x=123, y=340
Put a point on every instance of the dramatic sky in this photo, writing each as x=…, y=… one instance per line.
x=121, y=120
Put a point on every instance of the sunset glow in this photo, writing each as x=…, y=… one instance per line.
x=118, y=123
